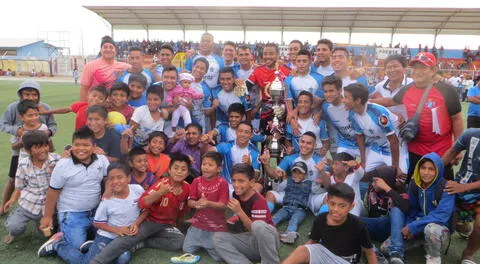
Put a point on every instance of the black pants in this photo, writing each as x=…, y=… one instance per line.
x=413, y=160
x=473, y=122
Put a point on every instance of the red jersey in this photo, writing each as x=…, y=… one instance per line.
x=263, y=75
x=256, y=208
x=127, y=112
x=442, y=103
x=168, y=207
x=80, y=108
x=215, y=190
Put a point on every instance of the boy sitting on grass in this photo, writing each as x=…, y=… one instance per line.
x=209, y=196
x=337, y=237
x=31, y=184
x=295, y=202
x=259, y=241
x=116, y=216
x=166, y=202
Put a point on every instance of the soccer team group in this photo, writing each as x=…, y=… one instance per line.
x=178, y=159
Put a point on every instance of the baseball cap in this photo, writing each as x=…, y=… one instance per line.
x=301, y=166
x=426, y=58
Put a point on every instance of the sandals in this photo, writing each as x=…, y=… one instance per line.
x=186, y=258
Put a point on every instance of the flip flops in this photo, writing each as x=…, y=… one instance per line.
x=186, y=258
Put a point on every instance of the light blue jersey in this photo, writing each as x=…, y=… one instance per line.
x=226, y=134
x=375, y=124
x=308, y=124
x=215, y=65
x=287, y=163
x=126, y=76
x=337, y=117
x=232, y=155
x=311, y=83
x=159, y=70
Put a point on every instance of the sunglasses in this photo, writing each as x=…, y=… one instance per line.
x=423, y=58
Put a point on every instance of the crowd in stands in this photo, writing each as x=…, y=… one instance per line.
x=185, y=159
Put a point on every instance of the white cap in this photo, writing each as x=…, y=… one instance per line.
x=186, y=76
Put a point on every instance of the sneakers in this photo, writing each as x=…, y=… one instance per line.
x=48, y=247
x=433, y=260
x=396, y=258
x=288, y=237
x=186, y=258
x=86, y=246
x=8, y=239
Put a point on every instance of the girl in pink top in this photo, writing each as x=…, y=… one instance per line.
x=184, y=93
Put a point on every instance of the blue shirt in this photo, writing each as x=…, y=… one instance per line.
x=226, y=134
x=232, y=155
x=287, y=163
x=215, y=65
x=375, y=124
x=311, y=83
x=473, y=109
x=337, y=117
x=319, y=130
x=138, y=102
x=159, y=70
x=126, y=76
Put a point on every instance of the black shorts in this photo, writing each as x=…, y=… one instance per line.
x=473, y=122
x=13, y=167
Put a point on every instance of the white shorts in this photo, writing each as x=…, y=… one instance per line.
x=315, y=201
x=278, y=196
x=375, y=160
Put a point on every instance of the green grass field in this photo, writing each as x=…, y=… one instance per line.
x=24, y=249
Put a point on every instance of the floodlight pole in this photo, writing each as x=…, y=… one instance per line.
x=391, y=36
x=183, y=30
x=281, y=37
x=244, y=34
x=350, y=29
x=437, y=31
x=148, y=32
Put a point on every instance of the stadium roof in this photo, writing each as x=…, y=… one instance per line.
x=17, y=43
x=455, y=21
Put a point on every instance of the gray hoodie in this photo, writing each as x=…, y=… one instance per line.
x=11, y=122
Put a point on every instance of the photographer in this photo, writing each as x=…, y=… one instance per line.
x=439, y=118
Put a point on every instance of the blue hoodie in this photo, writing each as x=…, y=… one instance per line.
x=423, y=206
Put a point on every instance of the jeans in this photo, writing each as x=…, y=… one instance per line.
x=294, y=214
x=381, y=228
x=75, y=226
x=71, y=254
x=197, y=239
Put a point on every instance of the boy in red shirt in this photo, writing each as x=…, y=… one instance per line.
x=96, y=96
x=209, y=196
x=260, y=240
x=166, y=202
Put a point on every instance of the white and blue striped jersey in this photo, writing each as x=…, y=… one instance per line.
x=375, y=124
x=215, y=65
x=126, y=76
x=337, y=117
x=287, y=163
x=308, y=124
x=311, y=83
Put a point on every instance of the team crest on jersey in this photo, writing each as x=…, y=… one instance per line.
x=383, y=120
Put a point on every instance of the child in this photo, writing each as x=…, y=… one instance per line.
x=209, y=196
x=75, y=189
x=182, y=94
x=431, y=208
x=387, y=204
x=227, y=132
x=157, y=160
x=137, y=84
x=119, y=93
x=31, y=184
x=295, y=202
x=96, y=96
x=29, y=114
x=117, y=216
x=138, y=162
x=147, y=118
x=259, y=241
x=107, y=141
x=347, y=170
x=467, y=186
x=337, y=236
x=11, y=124
x=166, y=202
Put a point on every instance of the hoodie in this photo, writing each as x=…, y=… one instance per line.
x=11, y=122
x=423, y=206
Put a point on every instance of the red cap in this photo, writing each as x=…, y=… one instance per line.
x=426, y=58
